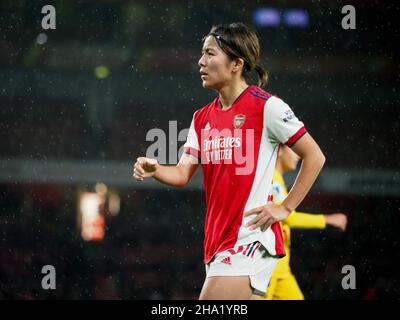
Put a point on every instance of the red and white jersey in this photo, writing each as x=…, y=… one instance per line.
x=238, y=149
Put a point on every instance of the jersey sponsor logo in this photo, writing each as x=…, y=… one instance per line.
x=217, y=143
x=229, y=146
x=238, y=121
x=221, y=146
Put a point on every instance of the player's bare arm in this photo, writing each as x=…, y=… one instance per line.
x=313, y=160
x=176, y=176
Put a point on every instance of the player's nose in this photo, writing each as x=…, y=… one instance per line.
x=201, y=62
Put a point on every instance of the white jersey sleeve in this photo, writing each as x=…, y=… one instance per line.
x=281, y=123
x=191, y=145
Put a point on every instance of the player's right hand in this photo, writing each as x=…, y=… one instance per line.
x=144, y=168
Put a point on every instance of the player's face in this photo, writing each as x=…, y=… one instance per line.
x=215, y=65
x=288, y=158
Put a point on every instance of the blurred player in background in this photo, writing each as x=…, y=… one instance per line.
x=236, y=139
x=283, y=284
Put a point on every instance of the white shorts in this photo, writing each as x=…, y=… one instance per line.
x=246, y=260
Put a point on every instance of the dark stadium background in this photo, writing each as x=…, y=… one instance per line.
x=64, y=128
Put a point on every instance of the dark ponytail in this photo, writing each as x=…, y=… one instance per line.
x=262, y=75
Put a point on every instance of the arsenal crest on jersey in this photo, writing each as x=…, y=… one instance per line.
x=238, y=121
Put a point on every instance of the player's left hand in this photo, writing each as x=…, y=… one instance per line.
x=337, y=220
x=266, y=215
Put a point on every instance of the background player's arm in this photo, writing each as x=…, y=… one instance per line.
x=304, y=220
x=176, y=176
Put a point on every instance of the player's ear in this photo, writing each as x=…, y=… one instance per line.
x=238, y=64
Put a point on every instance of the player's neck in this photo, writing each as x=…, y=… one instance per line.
x=229, y=94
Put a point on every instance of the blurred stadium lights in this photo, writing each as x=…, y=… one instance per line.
x=41, y=38
x=271, y=17
x=267, y=17
x=101, y=189
x=296, y=18
x=114, y=202
x=101, y=72
x=91, y=220
x=93, y=209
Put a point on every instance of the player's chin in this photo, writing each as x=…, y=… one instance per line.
x=207, y=84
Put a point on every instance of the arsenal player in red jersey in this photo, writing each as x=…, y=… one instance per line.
x=236, y=138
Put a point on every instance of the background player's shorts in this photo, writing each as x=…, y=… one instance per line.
x=246, y=260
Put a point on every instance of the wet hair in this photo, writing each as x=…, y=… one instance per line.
x=239, y=41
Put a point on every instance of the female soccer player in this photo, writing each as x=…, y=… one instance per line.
x=236, y=139
x=283, y=284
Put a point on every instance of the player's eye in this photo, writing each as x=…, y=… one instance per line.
x=208, y=53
